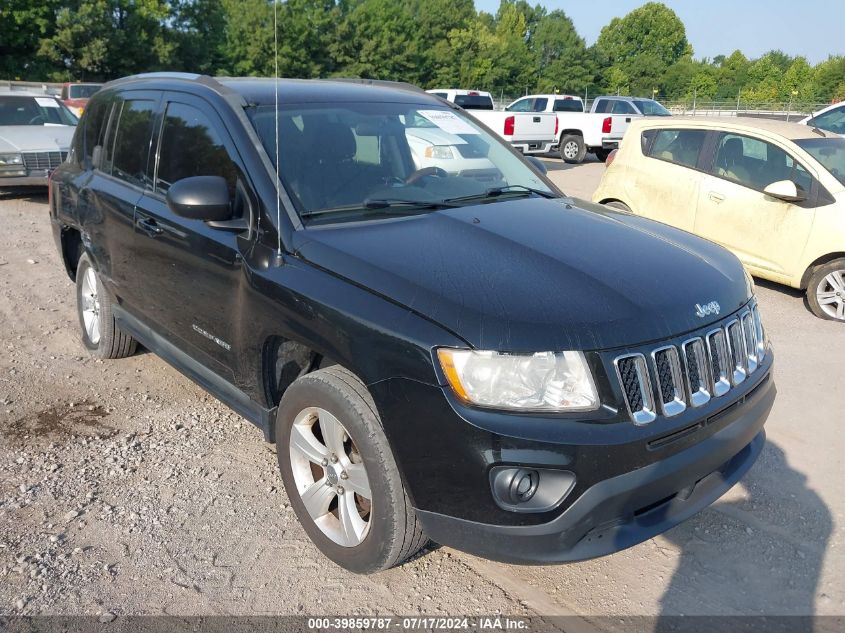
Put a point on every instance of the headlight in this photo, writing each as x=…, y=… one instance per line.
x=545, y=381
x=11, y=159
x=439, y=151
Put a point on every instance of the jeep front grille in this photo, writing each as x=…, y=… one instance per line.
x=670, y=379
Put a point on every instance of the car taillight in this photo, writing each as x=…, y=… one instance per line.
x=557, y=123
x=509, y=125
x=610, y=158
x=606, y=125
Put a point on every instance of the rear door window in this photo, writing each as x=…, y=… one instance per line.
x=756, y=164
x=132, y=132
x=623, y=107
x=523, y=105
x=681, y=147
x=540, y=104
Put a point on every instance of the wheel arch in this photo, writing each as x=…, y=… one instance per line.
x=72, y=250
x=821, y=261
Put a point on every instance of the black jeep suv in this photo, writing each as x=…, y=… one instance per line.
x=441, y=344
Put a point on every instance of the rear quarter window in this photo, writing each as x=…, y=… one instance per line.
x=132, y=141
x=681, y=147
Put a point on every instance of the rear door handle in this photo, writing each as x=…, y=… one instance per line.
x=149, y=226
x=716, y=196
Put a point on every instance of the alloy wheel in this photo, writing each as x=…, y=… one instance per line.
x=91, y=306
x=570, y=149
x=330, y=476
x=830, y=294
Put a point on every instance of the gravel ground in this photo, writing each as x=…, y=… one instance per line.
x=126, y=489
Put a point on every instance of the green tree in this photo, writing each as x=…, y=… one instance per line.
x=248, y=42
x=829, y=79
x=564, y=62
x=642, y=45
x=732, y=75
x=765, y=76
x=797, y=84
x=377, y=39
x=104, y=39
x=435, y=20
x=25, y=23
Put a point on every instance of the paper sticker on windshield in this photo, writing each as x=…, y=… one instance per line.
x=448, y=121
x=46, y=103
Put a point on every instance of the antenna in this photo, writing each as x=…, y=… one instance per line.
x=276, y=117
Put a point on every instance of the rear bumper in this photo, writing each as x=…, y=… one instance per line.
x=625, y=510
x=533, y=147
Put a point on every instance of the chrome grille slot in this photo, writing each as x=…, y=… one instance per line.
x=758, y=329
x=736, y=344
x=698, y=374
x=43, y=161
x=749, y=334
x=633, y=375
x=717, y=349
x=670, y=382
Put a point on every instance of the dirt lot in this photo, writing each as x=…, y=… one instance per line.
x=125, y=489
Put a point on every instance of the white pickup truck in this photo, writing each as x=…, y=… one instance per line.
x=529, y=132
x=598, y=131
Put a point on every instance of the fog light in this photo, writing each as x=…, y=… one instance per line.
x=529, y=490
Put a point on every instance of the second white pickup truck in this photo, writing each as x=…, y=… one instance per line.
x=528, y=132
x=598, y=131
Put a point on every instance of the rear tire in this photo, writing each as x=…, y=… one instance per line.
x=602, y=154
x=826, y=291
x=572, y=149
x=332, y=454
x=100, y=332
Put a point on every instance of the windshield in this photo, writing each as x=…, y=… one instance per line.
x=350, y=160
x=34, y=111
x=830, y=152
x=651, y=108
x=83, y=91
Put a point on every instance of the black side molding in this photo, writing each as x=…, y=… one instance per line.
x=217, y=386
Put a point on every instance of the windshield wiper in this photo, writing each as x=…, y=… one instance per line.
x=382, y=204
x=495, y=192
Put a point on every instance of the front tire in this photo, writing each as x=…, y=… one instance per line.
x=826, y=291
x=572, y=149
x=100, y=332
x=340, y=474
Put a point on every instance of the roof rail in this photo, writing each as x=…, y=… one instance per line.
x=402, y=85
x=204, y=80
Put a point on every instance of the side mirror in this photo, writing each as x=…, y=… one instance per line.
x=538, y=164
x=785, y=190
x=203, y=198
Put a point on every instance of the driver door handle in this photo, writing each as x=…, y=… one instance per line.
x=149, y=226
x=717, y=197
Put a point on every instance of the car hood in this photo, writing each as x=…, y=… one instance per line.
x=536, y=274
x=24, y=138
x=433, y=136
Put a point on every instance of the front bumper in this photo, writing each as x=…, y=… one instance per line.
x=32, y=179
x=631, y=482
x=630, y=508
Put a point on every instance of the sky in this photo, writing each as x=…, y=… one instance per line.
x=812, y=28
